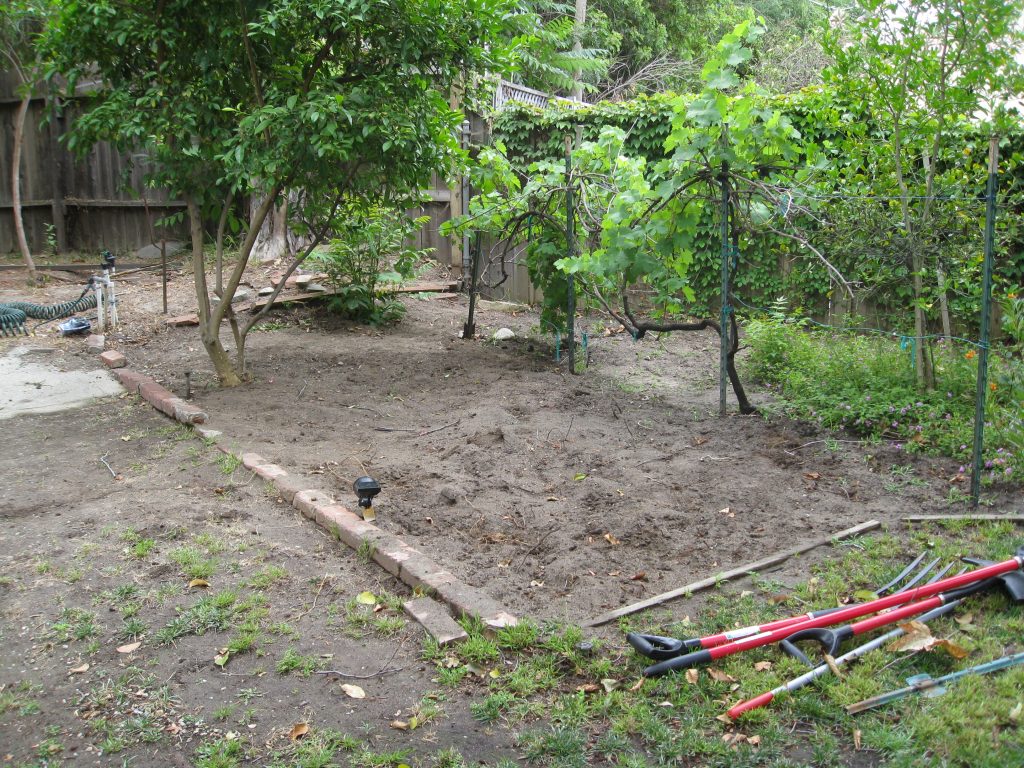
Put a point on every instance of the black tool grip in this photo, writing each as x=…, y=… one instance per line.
x=828, y=639
x=657, y=647
x=679, y=662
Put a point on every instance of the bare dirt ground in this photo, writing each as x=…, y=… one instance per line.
x=78, y=588
x=560, y=495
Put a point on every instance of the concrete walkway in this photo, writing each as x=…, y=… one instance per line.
x=30, y=384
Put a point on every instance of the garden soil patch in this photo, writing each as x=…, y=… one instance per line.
x=75, y=577
x=560, y=495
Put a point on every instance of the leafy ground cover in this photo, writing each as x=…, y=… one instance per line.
x=865, y=384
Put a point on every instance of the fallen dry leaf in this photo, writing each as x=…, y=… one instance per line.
x=763, y=666
x=399, y=725
x=221, y=658
x=610, y=684
x=611, y=540
x=130, y=647
x=918, y=637
x=353, y=691
x=637, y=685
x=724, y=718
x=812, y=475
x=719, y=676
x=79, y=669
x=298, y=731
x=641, y=576
x=952, y=649
x=754, y=741
x=588, y=688
x=856, y=740
x=198, y=583
x=692, y=676
x=967, y=618
x=1014, y=714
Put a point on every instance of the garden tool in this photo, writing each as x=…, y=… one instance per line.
x=659, y=648
x=852, y=655
x=911, y=602
x=930, y=686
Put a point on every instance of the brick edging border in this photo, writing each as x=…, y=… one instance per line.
x=402, y=561
x=160, y=398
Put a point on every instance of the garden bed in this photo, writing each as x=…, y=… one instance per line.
x=560, y=495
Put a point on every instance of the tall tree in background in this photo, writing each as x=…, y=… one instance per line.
x=234, y=99
x=21, y=21
x=554, y=54
x=917, y=68
x=663, y=44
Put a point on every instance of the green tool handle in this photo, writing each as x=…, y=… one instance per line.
x=981, y=669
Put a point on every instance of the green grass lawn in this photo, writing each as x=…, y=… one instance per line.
x=571, y=705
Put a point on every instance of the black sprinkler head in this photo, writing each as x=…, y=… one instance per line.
x=366, y=488
x=108, y=260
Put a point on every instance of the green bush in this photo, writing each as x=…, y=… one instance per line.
x=866, y=384
x=368, y=259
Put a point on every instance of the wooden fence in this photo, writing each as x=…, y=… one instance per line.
x=70, y=204
x=100, y=201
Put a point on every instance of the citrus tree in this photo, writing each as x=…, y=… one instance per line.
x=920, y=70
x=322, y=101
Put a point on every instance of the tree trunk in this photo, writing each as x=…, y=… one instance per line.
x=272, y=241
x=209, y=322
x=947, y=326
x=19, y=222
x=577, y=45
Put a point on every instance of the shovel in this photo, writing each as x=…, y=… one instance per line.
x=660, y=648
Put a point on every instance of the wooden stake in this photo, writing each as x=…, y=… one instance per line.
x=929, y=518
x=718, y=578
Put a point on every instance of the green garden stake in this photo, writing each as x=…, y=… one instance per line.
x=986, y=312
x=930, y=686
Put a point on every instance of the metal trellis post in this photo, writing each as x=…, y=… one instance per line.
x=570, y=247
x=724, y=318
x=986, y=311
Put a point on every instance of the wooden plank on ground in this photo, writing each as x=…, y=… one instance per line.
x=292, y=298
x=95, y=267
x=718, y=578
x=932, y=518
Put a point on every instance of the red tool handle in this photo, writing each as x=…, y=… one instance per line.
x=749, y=704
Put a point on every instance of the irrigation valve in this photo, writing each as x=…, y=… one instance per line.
x=366, y=488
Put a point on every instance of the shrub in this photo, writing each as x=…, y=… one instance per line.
x=367, y=260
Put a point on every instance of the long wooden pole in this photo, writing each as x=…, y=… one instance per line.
x=718, y=578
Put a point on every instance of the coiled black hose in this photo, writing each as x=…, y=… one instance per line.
x=14, y=314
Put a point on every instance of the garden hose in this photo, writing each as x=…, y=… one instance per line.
x=14, y=314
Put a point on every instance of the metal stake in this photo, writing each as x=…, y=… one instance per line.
x=986, y=312
x=724, y=318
